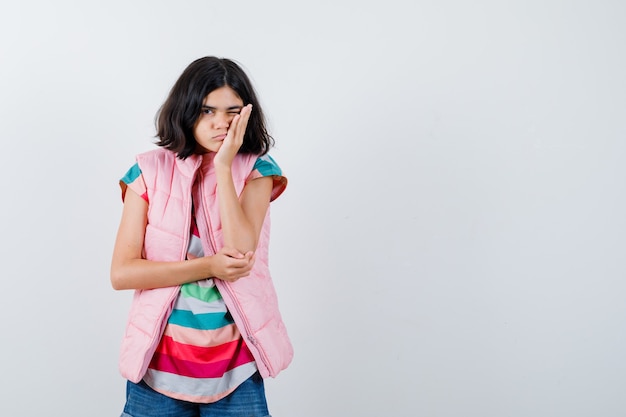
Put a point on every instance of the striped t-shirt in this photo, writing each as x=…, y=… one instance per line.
x=201, y=356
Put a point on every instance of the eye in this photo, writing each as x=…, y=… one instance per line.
x=206, y=110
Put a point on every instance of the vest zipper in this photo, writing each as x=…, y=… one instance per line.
x=250, y=338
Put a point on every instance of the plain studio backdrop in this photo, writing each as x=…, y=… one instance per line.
x=452, y=239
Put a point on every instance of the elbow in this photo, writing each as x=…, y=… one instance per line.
x=117, y=279
x=243, y=246
x=249, y=247
x=115, y=283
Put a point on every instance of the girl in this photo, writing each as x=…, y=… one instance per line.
x=204, y=327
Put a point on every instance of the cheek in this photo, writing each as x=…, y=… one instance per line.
x=196, y=130
x=201, y=126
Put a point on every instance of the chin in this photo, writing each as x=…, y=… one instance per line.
x=214, y=148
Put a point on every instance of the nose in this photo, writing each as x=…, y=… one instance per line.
x=221, y=120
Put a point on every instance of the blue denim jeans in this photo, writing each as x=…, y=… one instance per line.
x=248, y=400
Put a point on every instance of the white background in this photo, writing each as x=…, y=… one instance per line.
x=452, y=239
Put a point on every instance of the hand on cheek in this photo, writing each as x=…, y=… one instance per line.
x=234, y=138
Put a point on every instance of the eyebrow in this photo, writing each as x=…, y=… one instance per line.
x=204, y=106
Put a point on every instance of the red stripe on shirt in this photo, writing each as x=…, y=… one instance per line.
x=165, y=363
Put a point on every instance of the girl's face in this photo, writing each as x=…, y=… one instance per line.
x=218, y=110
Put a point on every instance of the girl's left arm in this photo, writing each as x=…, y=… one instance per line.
x=242, y=217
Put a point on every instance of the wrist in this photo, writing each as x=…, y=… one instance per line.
x=222, y=167
x=203, y=267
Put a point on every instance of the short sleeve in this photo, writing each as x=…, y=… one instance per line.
x=266, y=166
x=133, y=179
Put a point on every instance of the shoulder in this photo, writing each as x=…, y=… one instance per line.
x=266, y=166
x=134, y=180
x=156, y=155
x=165, y=162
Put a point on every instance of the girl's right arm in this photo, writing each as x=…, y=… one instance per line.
x=130, y=271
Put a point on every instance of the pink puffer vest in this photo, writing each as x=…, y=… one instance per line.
x=251, y=300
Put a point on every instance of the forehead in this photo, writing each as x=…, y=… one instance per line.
x=222, y=97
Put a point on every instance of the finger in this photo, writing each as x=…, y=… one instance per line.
x=239, y=265
x=245, y=116
x=233, y=253
x=232, y=129
x=242, y=121
x=245, y=112
x=235, y=274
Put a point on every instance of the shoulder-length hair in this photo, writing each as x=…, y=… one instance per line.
x=177, y=117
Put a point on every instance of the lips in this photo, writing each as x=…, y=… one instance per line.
x=220, y=137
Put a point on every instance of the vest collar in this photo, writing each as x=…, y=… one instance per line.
x=190, y=165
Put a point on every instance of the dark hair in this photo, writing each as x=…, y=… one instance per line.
x=177, y=117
